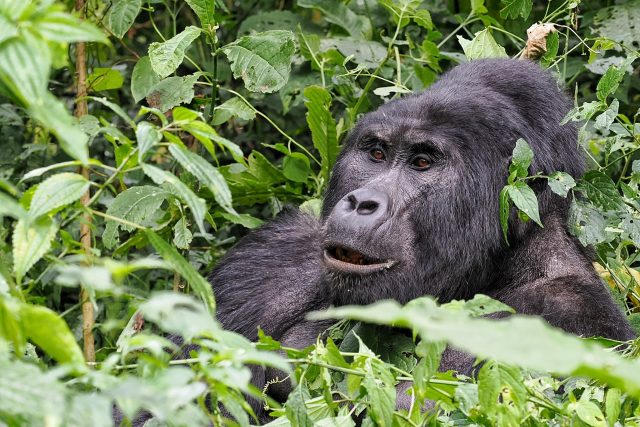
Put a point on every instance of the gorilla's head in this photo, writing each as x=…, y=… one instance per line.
x=412, y=205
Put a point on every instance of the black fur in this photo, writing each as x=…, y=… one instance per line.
x=441, y=224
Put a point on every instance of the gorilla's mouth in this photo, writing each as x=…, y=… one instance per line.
x=349, y=260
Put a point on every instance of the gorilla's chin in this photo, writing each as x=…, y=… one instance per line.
x=350, y=261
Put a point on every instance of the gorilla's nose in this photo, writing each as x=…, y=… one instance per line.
x=363, y=206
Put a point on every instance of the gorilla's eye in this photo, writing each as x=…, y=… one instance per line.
x=377, y=155
x=420, y=162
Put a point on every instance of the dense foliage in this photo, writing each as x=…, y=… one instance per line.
x=197, y=120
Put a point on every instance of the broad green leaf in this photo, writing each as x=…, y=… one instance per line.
x=9, y=207
x=31, y=240
x=269, y=20
x=620, y=22
x=525, y=199
x=588, y=412
x=296, y=409
x=296, y=167
x=587, y=223
x=65, y=28
x=245, y=220
x=50, y=332
x=56, y=191
x=182, y=236
x=483, y=45
x=502, y=393
x=205, y=134
x=582, y=113
x=122, y=15
x=186, y=270
x=339, y=14
x=262, y=60
x=605, y=120
x=8, y=29
x=600, y=190
x=148, y=136
x=561, y=182
x=521, y=158
x=322, y=126
x=179, y=189
x=610, y=81
x=523, y=341
x=233, y=107
x=206, y=173
x=104, y=79
x=139, y=205
x=612, y=405
x=205, y=10
x=512, y=9
x=143, y=78
x=478, y=7
x=167, y=56
x=382, y=397
x=171, y=92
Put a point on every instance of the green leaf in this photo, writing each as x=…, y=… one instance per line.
x=514, y=8
x=382, y=399
x=233, y=107
x=505, y=211
x=56, y=191
x=600, y=190
x=521, y=159
x=605, y=120
x=501, y=389
x=171, y=92
x=589, y=412
x=587, y=223
x=612, y=405
x=122, y=15
x=620, y=22
x=9, y=207
x=31, y=240
x=186, y=270
x=138, y=205
x=148, y=136
x=178, y=188
x=50, y=332
x=104, y=79
x=65, y=28
x=205, y=10
x=262, y=60
x=339, y=14
x=296, y=167
x=483, y=45
x=322, y=126
x=296, y=409
x=8, y=29
x=182, y=236
x=143, y=78
x=609, y=82
x=561, y=182
x=205, y=173
x=523, y=341
x=525, y=199
x=269, y=20
x=167, y=56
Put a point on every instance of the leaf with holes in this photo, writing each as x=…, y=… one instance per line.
x=560, y=183
x=262, y=60
x=167, y=56
x=600, y=190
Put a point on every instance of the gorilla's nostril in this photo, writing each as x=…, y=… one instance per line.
x=352, y=202
x=367, y=207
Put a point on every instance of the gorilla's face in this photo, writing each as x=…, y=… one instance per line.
x=393, y=206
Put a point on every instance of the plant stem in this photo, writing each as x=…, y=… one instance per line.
x=88, y=315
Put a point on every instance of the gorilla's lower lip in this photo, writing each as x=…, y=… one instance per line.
x=351, y=261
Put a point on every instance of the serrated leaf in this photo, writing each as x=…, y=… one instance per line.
x=51, y=333
x=31, y=240
x=186, y=270
x=525, y=199
x=382, y=397
x=171, y=92
x=182, y=236
x=206, y=173
x=560, y=183
x=122, y=15
x=147, y=136
x=521, y=158
x=609, y=82
x=262, y=60
x=56, y=191
x=138, y=205
x=233, y=107
x=483, y=45
x=9, y=207
x=205, y=10
x=143, y=78
x=515, y=8
x=605, y=120
x=339, y=14
x=179, y=189
x=600, y=190
x=296, y=409
x=322, y=126
x=167, y=56
x=587, y=223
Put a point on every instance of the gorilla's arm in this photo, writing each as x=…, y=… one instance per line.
x=272, y=278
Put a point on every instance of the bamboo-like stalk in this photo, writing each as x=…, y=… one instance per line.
x=88, y=315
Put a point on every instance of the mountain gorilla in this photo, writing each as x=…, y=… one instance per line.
x=412, y=210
